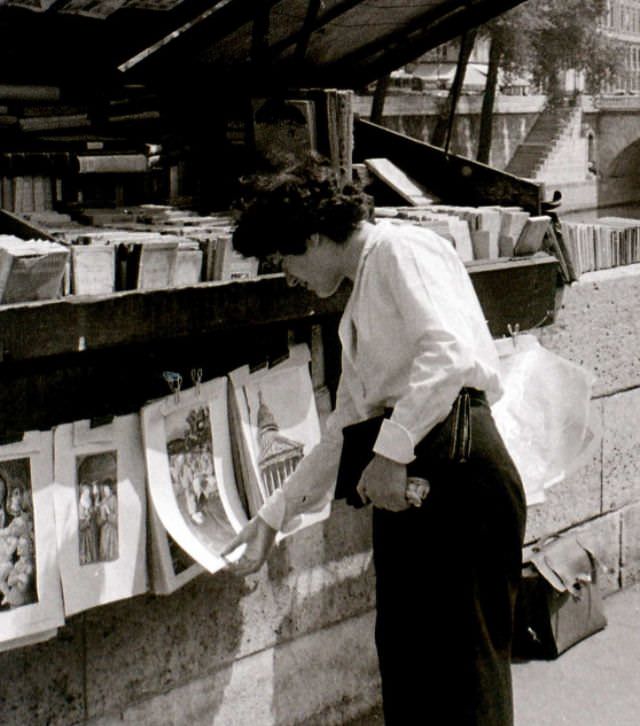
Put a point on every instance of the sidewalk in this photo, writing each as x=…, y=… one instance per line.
x=595, y=683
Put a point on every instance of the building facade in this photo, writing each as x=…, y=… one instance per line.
x=622, y=22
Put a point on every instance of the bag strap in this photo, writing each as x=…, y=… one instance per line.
x=566, y=563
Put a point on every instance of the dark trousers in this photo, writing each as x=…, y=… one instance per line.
x=446, y=579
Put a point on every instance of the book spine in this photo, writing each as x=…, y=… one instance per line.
x=112, y=164
x=7, y=193
x=46, y=123
x=6, y=262
x=13, y=92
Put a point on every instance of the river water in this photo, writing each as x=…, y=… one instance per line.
x=631, y=211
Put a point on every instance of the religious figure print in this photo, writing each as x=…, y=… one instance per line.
x=97, y=482
x=100, y=504
x=17, y=548
x=31, y=606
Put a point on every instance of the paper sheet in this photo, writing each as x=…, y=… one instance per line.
x=30, y=595
x=100, y=506
x=279, y=422
x=190, y=471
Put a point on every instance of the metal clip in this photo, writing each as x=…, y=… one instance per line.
x=174, y=381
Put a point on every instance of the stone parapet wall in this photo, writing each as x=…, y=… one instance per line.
x=293, y=644
x=598, y=326
x=415, y=115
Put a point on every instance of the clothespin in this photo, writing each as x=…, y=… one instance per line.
x=514, y=331
x=174, y=381
x=196, y=379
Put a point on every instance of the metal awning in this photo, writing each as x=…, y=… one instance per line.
x=259, y=44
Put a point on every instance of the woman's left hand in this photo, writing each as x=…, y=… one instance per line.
x=384, y=484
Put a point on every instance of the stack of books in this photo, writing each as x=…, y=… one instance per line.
x=143, y=248
x=608, y=242
x=31, y=269
x=479, y=233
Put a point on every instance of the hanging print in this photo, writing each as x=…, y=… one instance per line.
x=276, y=423
x=17, y=544
x=100, y=504
x=30, y=597
x=190, y=472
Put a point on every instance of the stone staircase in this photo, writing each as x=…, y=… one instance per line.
x=545, y=136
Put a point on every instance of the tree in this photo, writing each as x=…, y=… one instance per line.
x=544, y=39
x=440, y=133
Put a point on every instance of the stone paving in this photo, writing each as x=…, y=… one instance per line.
x=595, y=683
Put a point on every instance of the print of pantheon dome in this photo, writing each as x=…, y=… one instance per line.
x=279, y=456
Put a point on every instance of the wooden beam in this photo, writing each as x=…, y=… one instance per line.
x=41, y=393
x=260, y=36
x=334, y=12
x=304, y=36
x=214, y=23
x=79, y=324
x=131, y=338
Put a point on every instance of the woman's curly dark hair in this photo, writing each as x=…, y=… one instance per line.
x=278, y=212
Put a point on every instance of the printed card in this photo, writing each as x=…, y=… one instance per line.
x=100, y=506
x=190, y=471
x=30, y=595
x=277, y=425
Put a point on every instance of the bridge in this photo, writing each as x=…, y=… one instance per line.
x=590, y=150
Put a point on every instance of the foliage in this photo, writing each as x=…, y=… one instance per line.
x=543, y=38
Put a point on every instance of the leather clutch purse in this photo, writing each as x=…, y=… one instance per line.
x=449, y=441
x=357, y=451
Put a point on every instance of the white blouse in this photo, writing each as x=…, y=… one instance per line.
x=413, y=334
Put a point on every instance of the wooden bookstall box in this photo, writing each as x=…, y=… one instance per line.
x=81, y=357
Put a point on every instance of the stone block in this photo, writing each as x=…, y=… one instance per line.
x=151, y=644
x=602, y=536
x=597, y=326
x=43, y=684
x=574, y=500
x=621, y=450
x=321, y=678
x=630, y=556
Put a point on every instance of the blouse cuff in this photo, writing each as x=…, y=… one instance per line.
x=273, y=510
x=394, y=442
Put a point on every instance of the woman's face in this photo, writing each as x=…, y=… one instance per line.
x=319, y=269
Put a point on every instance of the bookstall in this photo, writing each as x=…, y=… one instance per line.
x=99, y=146
x=159, y=118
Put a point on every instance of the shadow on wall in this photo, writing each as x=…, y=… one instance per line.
x=288, y=643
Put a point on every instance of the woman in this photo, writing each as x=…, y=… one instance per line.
x=107, y=516
x=87, y=527
x=414, y=343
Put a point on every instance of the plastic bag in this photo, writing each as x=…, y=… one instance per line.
x=543, y=415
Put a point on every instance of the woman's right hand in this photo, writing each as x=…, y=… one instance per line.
x=259, y=538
